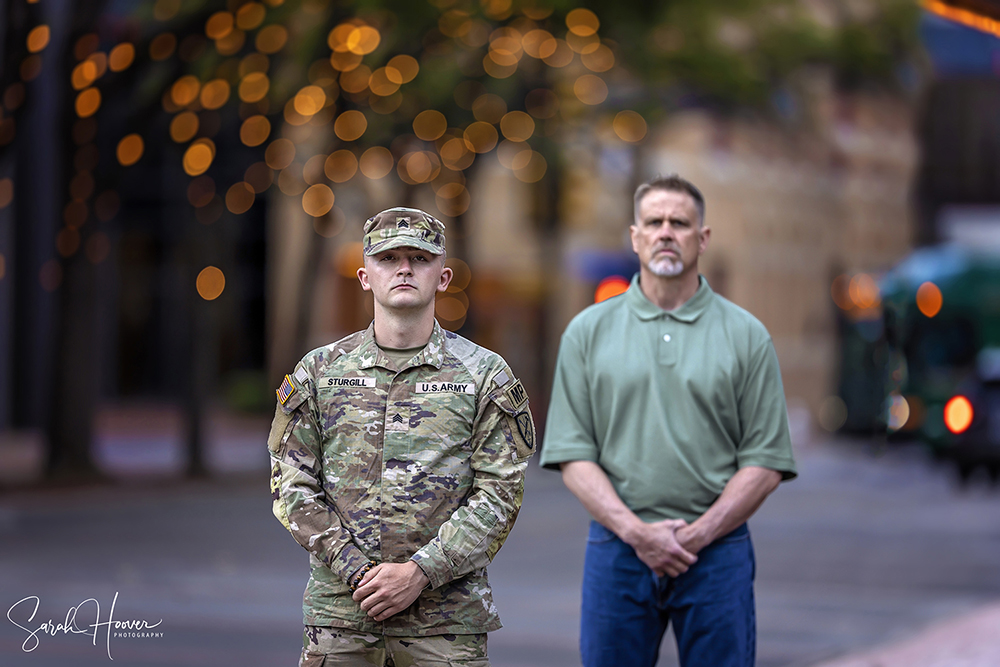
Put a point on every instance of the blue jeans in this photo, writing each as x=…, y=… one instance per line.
x=627, y=607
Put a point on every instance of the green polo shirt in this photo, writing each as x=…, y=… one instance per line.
x=669, y=403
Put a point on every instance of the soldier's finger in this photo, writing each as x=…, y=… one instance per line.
x=370, y=574
x=386, y=613
x=378, y=609
x=363, y=592
x=371, y=602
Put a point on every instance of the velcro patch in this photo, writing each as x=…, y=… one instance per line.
x=331, y=382
x=397, y=419
x=285, y=390
x=446, y=387
x=516, y=394
x=526, y=428
x=519, y=429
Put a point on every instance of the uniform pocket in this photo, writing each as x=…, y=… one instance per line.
x=312, y=660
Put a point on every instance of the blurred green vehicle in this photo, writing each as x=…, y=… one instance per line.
x=941, y=341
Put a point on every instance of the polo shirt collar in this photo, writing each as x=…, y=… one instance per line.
x=688, y=312
x=371, y=355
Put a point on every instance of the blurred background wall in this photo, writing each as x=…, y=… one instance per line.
x=183, y=185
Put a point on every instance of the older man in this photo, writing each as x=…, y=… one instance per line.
x=398, y=457
x=668, y=422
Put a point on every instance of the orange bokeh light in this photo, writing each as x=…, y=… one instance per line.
x=121, y=57
x=130, y=149
x=88, y=102
x=629, y=126
x=38, y=38
x=963, y=16
x=609, y=287
x=210, y=283
x=929, y=299
x=864, y=292
x=958, y=414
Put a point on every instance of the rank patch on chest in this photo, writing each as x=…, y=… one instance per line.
x=446, y=387
x=397, y=420
x=329, y=383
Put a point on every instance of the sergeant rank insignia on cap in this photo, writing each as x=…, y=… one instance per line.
x=285, y=390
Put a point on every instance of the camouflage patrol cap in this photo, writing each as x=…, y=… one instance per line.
x=404, y=227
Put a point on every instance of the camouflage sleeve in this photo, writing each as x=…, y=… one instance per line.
x=503, y=441
x=299, y=500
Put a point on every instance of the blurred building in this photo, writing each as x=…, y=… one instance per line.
x=792, y=205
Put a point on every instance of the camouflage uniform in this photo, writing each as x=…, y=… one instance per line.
x=374, y=463
x=323, y=646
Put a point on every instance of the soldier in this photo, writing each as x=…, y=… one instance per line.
x=398, y=457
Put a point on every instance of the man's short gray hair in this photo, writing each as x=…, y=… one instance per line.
x=671, y=183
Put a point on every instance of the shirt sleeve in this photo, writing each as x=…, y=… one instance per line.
x=569, y=428
x=503, y=440
x=764, y=416
x=299, y=500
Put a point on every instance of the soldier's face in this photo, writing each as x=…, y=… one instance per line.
x=667, y=235
x=404, y=278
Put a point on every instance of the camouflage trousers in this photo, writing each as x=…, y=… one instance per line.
x=325, y=647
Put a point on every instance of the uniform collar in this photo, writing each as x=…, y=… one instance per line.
x=688, y=312
x=371, y=354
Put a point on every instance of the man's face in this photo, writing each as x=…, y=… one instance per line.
x=404, y=278
x=667, y=236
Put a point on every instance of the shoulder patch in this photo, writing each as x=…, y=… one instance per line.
x=292, y=392
x=285, y=390
x=526, y=429
x=517, y=425
x=516, y=394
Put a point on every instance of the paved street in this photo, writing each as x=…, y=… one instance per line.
x=859, y=552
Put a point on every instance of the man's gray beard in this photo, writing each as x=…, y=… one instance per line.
x=666, y=267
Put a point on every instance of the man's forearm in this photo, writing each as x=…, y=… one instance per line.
x=740, y=498
x=655, y=543
x=590, y=484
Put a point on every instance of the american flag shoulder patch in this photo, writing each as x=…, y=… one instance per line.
x=285, y=390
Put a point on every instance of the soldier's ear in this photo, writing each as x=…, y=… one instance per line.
x=363, y=278
x=446, y=275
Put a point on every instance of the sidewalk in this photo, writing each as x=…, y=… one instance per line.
x=971, y=640
x=870, y=558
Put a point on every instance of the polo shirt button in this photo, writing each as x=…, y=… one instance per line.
x=666, y=337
